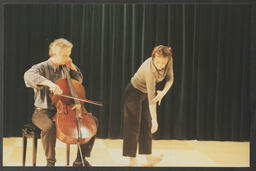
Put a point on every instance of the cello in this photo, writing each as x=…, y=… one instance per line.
x=73, y=126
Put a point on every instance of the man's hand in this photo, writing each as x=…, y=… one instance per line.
x=158, y=98
x=76, y=106
x=70, y=64
x=55, y=89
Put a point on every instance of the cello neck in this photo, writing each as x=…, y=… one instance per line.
x=70, y=84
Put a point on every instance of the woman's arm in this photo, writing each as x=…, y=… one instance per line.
x=152, y=109
x=167, y=86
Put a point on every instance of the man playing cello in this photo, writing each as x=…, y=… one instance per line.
x=41, y=77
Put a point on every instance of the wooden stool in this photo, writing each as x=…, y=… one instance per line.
x=32, y=131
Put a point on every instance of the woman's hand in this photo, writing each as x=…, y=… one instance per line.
x=154, y=126
x=158, y=98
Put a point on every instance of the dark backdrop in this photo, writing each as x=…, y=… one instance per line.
x=252, y=72
x=209, y=99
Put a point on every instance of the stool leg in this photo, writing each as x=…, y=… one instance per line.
x=34, y=150
x=68, y=149
x=24, y=148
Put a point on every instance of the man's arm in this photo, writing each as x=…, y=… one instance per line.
x=34, y=76
x=76, y=74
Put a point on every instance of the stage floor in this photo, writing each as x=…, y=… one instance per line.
x=108, y=152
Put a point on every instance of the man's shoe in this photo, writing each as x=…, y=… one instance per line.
x=80, y=164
